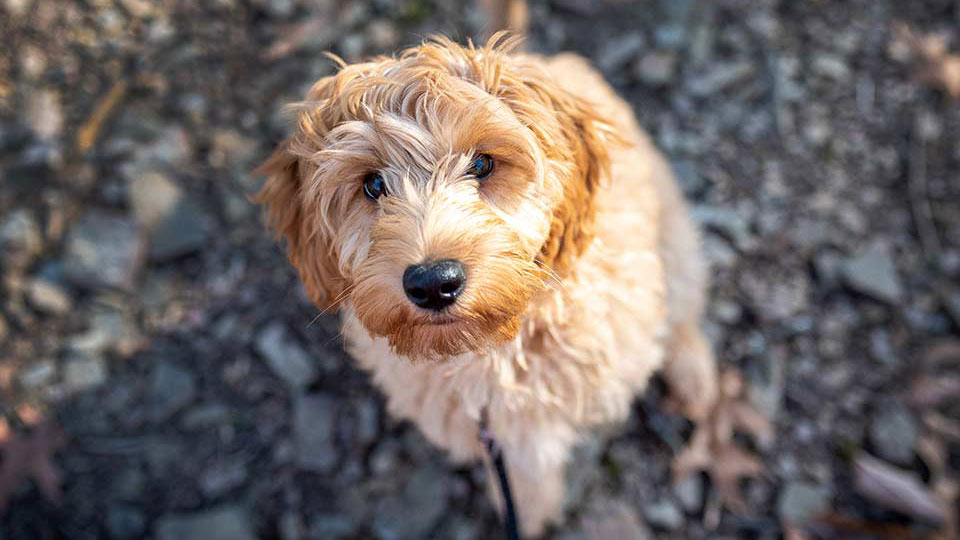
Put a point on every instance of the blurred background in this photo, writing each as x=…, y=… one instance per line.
x=163, y=376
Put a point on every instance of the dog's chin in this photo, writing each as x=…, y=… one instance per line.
x=421, y=337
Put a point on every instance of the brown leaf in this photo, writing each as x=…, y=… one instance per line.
x=713, y=449
x=29, y=454
x=938, y=67
x=892, y=488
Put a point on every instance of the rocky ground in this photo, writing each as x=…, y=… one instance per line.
x=145, y=311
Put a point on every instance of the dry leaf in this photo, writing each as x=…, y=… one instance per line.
x=938, y=67
x=713, y=449
x=29, y=454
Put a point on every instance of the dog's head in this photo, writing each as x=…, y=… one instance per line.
x=437, y=192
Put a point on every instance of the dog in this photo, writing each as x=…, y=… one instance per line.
x=500, y=237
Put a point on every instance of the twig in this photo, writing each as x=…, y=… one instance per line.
x=90, y=130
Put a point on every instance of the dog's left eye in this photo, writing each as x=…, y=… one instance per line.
x=481, y=167
x=374, y=186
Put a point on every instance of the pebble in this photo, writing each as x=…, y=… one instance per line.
x=893, y=432
x=732, y=224
x=125, y=522
x=171, y=388
x=872, y=272
x=285, y=356
x=619, y=51
x=223, y=523
x=656, y=68
x=205, y=415
x=831, y=66
x=175, y=223
x=45, y=114
x=314, y=418
x=801, y=501
x=415, y=511
x=613, y=519
x=332, y=526
x=221, y=476
x=38, y=374
x=689, y=492
x=83, y=372
x=723, y=76
x=49, y=297
x=20, y=239
x=103, y=250
x=663, y=514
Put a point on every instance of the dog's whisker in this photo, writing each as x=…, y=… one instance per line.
x=336, y=302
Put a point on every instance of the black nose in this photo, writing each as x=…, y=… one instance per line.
x=434, y=285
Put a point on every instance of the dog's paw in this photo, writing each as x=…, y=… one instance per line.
x=714, y=450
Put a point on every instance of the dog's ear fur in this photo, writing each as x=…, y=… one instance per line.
x=309, y=249
x=572, y=227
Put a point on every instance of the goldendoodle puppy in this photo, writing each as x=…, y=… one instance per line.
x=498, y=234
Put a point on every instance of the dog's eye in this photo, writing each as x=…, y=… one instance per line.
x=374, y=187
x=481, y=167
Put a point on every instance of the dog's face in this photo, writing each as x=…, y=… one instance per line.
x=436, y=193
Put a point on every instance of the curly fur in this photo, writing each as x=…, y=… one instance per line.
x=583, y=274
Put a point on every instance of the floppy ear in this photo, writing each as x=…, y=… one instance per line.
x=308, y=247
x=572, y=227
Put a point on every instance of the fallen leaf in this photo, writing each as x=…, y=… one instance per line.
x=938, y=67
x=28, y=454
x=895, y=489
x=713, y=449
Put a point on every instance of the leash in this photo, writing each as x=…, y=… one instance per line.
x=494, y=452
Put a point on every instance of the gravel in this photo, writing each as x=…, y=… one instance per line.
x=223, y=523
x=314, y=426
x=104, y=250
x=801, y=501
x=872, y=272
x=285, y=356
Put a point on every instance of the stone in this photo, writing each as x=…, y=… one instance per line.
x=724, y=75
x=656, y=68
x=732, y=224
x=44, y=114
x=223, y=523
x=109, y=330
x=103, y=250
x=285, y=356
x=38, y=374
x=831, y=66
x=663, y=514
x=872, y=272
x=801, y=501
x=689, y=492
x=220, y=477
x=382, y=34
x=175, y=223
x=332, y=526
x=171, y=388
x=48, y=297
x=613, y=519
x=314, y=419
x=893, y=432
x=83, y=372
x=20, y=240
x=415, y=511
x=367, y=422
x=125, y=522
x=619, y=51
x=205, y=415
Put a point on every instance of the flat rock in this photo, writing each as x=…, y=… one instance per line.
x=872, y=272
x=656, y=68
x=721, y=77
x=125, y=522
x=894, y=432
x=801, y=501
x=103, y=250
x=49, y=297
x=171, y=389
x=619, y=51
x=285, y=356
x=83, y=372
x=223, y=523
x=663, y=514
x=314, y=419
x=414, y=512
x=20, y=239
x=176, y=224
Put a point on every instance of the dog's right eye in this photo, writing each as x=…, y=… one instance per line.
x=374, y=186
